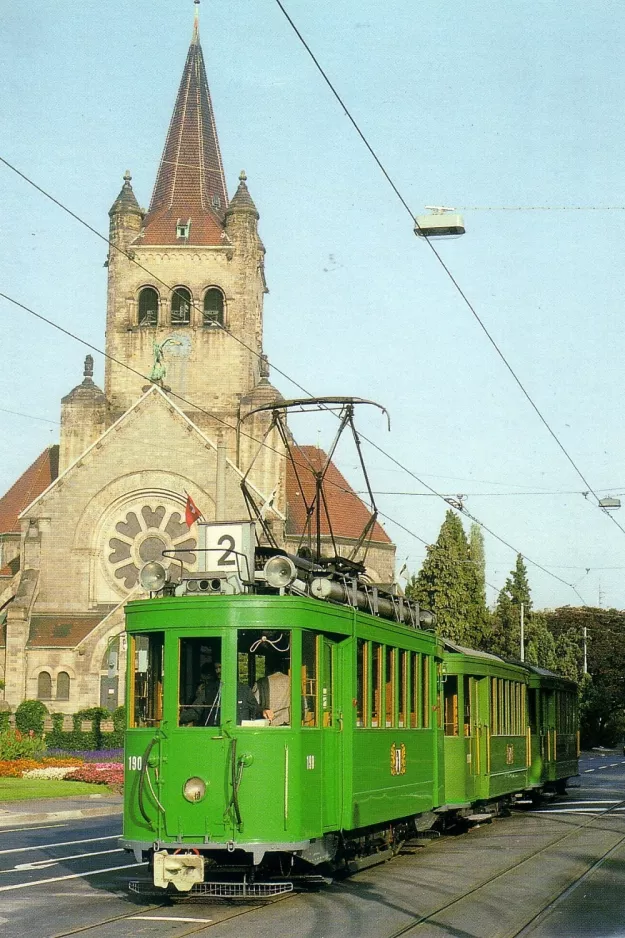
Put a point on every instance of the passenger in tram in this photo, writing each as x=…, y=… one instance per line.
x=206, y=707
x=273, y=693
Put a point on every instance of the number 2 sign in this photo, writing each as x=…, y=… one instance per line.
x=227, y=547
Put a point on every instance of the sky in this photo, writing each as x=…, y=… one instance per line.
x=477, y=104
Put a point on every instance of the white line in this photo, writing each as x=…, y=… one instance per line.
x=589, y=770
x=58, y=879
x=570, y=804
x=165, y=918
x=603, y=767
x=24, y=830
x=64, y=843
x=44, y=864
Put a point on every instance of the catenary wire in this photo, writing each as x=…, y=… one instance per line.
x=445, y=267
x=172, y=290
x=105, y=354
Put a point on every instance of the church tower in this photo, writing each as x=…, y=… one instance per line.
x=186, y=279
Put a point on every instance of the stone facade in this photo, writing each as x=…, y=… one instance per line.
x=184, y=368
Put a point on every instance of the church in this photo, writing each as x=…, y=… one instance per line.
x=184, y=366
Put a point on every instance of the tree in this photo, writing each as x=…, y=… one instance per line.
x=505, y=634
x=450, y=584
x=602, y=690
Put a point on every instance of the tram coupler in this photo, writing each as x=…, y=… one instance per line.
x=183, y=870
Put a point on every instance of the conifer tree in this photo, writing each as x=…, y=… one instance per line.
x=450, y=584
x=505, y=634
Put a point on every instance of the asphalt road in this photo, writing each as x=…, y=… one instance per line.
x=556, y=871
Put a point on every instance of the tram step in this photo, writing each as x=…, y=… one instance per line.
x=361, y=863
x=479, y=818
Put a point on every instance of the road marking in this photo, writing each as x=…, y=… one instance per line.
x=44, y=864
x=562, y=804
x=23, y=830
x=589, y=770
x=603, y=767
x=165, y=918
x=59, y=879
x=64, y=843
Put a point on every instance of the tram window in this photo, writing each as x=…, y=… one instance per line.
x=199, y=684
x=264, y=673
x=402, y=689
x=376, y=683
x=361, y=682
x=425, y=692
x=309, y=679
x=327, y=685
x=414, y=665
x=531, y=710
x=494, y=707
x=389, y=696
x=450, y=697
x=466, y=688
x=146, y=682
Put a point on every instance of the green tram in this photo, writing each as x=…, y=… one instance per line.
x=378, y=730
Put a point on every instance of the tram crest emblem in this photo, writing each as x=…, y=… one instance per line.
x=509, y=754
x=398, y=759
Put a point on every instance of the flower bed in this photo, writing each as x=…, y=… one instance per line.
x=16, y=768
x=102, y=773
x=89, y=755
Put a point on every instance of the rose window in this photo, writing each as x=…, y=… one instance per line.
x=142, y=535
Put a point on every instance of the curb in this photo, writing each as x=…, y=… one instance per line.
x=9, y=818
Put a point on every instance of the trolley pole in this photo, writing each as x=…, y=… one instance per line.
x=522, y=632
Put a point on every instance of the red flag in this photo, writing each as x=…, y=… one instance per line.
x=192, y=512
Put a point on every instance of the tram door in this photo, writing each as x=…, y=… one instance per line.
x=331, y=726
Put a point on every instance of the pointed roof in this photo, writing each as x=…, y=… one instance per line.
x=126, y=202
x=190, y=184
x=348, y=512
x=242, y=200
x=30, y=484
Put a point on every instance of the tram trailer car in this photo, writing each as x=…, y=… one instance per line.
x=365, y=758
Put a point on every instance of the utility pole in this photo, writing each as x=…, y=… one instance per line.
x=585, y=650
x=522, y=632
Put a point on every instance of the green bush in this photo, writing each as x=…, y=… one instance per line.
x=54, y=739
x=4, y=719
x=17, y=745
x=30, y=716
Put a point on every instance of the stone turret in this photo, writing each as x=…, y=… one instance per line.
x=125, y=216
x=84, y=417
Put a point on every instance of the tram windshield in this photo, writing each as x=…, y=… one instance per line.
x=264, y=672
x=199, y=694
x=146, y=686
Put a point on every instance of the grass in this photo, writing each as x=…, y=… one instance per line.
x=21, y=789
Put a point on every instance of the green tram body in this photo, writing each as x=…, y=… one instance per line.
x=369, y=755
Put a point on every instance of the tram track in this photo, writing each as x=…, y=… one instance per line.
x=554, y=900
x=139, y=914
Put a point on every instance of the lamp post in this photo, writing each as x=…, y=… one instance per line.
x=522, y=605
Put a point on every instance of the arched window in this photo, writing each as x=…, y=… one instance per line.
x=44, y=686
x=148, y=307
x=213, y=307
x=180, y=307
x=62, y=686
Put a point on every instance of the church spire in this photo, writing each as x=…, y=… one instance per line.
x=190, y=188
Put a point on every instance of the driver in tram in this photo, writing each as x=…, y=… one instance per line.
x=206, y=707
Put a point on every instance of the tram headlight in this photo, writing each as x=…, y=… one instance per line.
x=280, y=571
x=194, y=789
x=153, y=576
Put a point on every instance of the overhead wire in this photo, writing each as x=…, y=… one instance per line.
x=225, y=423
x=445, y=267
x=132, y=258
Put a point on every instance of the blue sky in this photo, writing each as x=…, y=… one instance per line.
x=467, y=104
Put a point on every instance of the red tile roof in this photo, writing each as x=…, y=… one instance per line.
x=30, y=484
x=60, y=631
x=190, y=183
x=348, y=513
